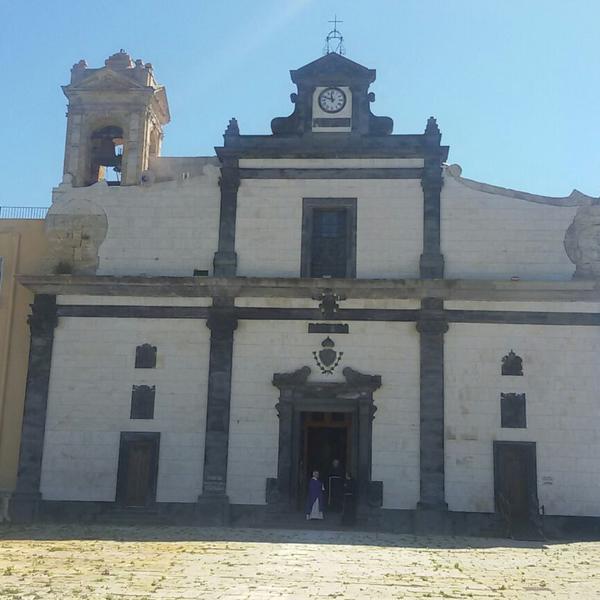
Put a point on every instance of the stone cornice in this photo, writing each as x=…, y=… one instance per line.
x=280, y=287
x=575, y=198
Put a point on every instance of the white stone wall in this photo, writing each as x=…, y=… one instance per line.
x=168, y=228
x=561, y=382
x=89, y=405
x=492, y=236
x=389, y=225
x=263, y=348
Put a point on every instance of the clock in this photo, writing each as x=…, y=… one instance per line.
x=332, y=100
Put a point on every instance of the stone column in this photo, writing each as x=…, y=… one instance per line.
x=285, y=414
x=225, y=261
x=432, y=325
x=365, y=413
x=432, y=260
x=25, y=501
x=213, y=503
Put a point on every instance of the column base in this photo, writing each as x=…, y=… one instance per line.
x=24, y=507
x=431, y=266
x=225, y=264
x=212, y=510
x=439, y=506
x=432, y=519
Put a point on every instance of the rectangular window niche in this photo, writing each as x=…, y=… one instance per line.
x=145, y=357
x=328, y=237
x=142, y=402
x=512, y=411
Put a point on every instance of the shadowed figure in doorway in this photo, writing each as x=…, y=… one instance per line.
x=349, y=510
x=335, y=486
x=314, y=499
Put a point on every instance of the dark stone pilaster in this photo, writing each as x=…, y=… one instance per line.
x=285, y=414
x=225, y=261
x=366, y=413
x=222, y=323
x=42, y=321
x=432, y=261
x=432, y=325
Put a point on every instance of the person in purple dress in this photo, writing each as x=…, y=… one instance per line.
x=314, y=499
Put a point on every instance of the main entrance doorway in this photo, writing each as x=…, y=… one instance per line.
x=138, y=469
x=324, y=436
x=317, y=421
x=515, y=480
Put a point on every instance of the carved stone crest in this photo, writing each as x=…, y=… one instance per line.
x=327, y=358
x=512, y=364
x=328, y=303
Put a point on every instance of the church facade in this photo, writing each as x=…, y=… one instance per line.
x=212, y=329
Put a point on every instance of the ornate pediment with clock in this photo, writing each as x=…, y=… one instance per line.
x=333, y=97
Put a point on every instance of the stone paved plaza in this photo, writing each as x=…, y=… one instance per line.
x=100, y=562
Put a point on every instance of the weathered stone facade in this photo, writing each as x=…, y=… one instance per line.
x=210, y=262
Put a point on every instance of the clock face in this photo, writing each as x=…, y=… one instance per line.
x=332, y=100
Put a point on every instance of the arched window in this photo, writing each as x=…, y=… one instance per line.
x=106, y=155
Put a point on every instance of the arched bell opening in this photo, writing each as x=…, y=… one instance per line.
x=106, y=155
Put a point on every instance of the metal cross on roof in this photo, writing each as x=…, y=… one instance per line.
x=334, y=42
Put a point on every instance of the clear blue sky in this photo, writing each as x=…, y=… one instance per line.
x=514, y=84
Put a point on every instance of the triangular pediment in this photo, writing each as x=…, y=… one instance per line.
x=106, y=80
x=333, y=64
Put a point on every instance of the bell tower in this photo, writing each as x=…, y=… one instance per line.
x=115, y=121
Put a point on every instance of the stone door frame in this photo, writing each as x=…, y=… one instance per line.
x=297, y=395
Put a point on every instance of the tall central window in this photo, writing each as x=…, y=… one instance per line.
x=329, y=237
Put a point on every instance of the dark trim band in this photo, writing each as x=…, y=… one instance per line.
x=351, y=173
x=515, y=317
x=343, y=314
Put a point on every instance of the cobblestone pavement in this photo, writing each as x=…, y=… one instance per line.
x=68, y=562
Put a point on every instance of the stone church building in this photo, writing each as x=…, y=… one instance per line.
x=211, y=329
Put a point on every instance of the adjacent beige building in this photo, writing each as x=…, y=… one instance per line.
x=22, y=247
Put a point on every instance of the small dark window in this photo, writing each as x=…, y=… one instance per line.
x=200, y=272
x=512, y=364
x=145, y=357
x=329, y=238
x=512, y=409
x=142, y=402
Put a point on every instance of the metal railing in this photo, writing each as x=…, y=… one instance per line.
x=23, y=212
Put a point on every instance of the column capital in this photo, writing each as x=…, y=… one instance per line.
x=432, y=317
x=230, y=175
x=229, y=180
x=43, y=318
x=432, y=325
x=222, y=321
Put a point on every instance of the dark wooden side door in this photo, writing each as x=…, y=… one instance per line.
x=515, y=478
x=138, y=468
